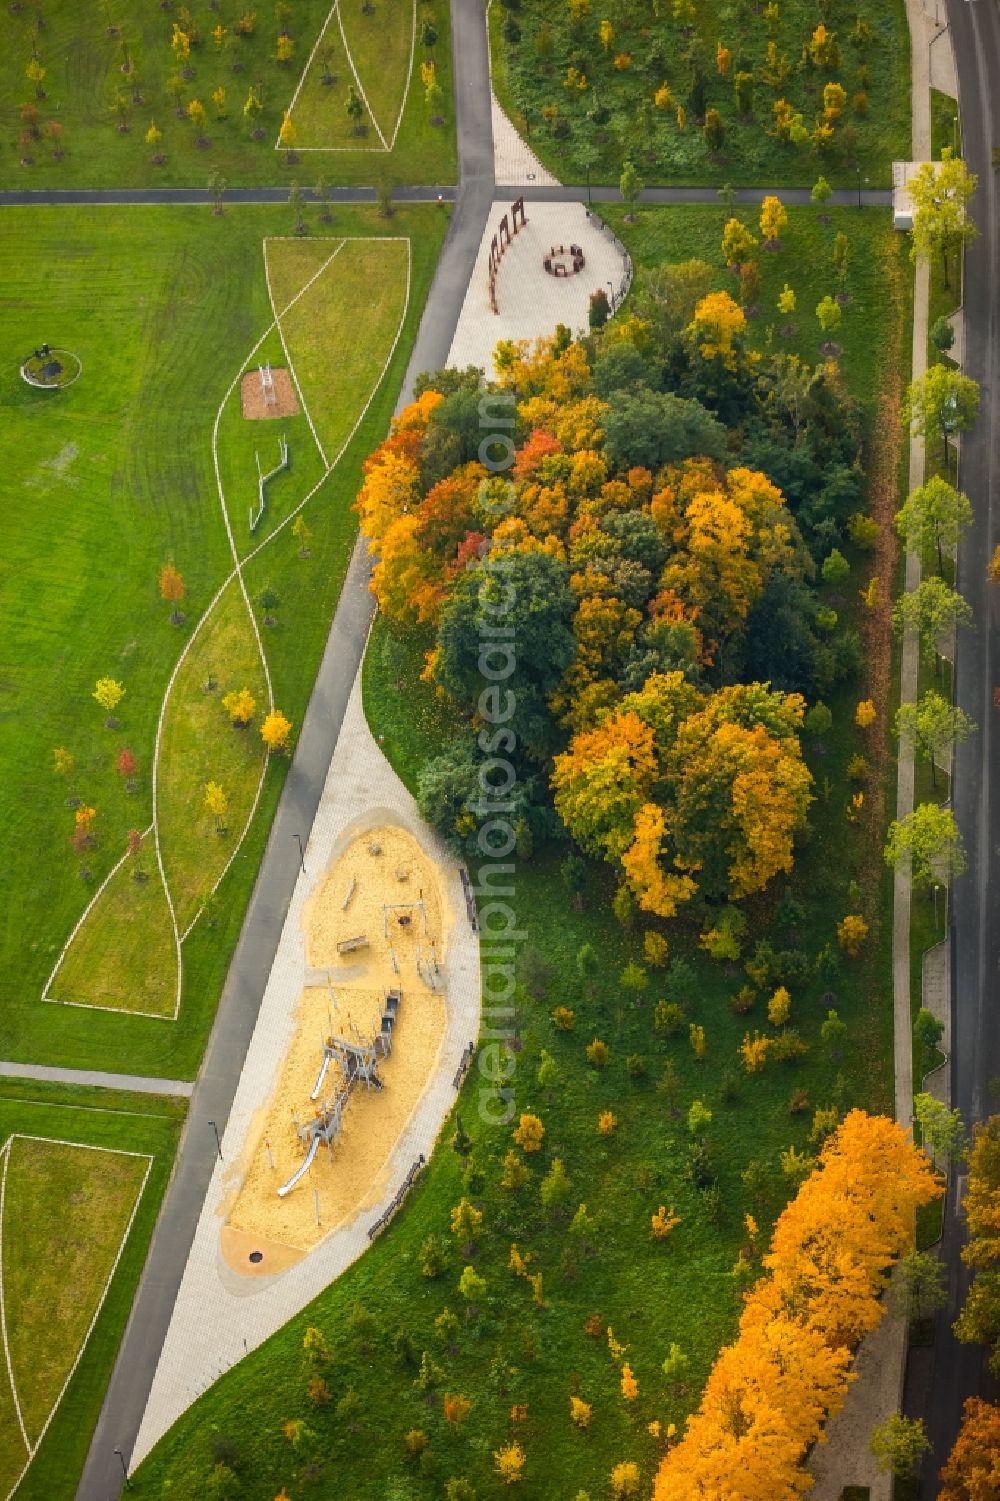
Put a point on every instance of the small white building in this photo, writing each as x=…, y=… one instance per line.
x=902, y=203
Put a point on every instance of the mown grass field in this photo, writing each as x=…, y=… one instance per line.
x=514, y=1352
x=109, y=479
x=65, y=1210
x=83, y=51
x=614, y=113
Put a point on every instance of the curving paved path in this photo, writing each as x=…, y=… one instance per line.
x=214, y=1091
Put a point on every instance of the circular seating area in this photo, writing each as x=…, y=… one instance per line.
x=563, y=262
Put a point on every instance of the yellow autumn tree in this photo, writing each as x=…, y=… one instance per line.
x=275, y=730
x=241, y=706
x=773, y=218
x=718, y=320
x=770, y=1393
x=509, y=1462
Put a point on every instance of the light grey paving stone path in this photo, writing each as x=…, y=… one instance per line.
x=937, y=999
x=138, y=1084
x=219, y=1315
x=530, y=301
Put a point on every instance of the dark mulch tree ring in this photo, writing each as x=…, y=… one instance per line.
x=158, y=160
x=788, y=330
x=203, y=143
x=291, y=157
x=843, y=298
x=187, y=73
x=771, y=245
x=239, y=67
x=123, y=127
x=437, y=119
x=751, y=310
x=830, y=349
x=259, y=132
x=328, y=80
x=825, y=219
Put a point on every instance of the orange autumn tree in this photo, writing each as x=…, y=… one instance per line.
x=973, y=1469
x=770, y=1393
x=687, y=790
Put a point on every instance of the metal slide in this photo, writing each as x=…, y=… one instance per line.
x=300, y=1172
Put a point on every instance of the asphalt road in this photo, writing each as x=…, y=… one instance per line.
x=215, y=1088
x=959, y=1370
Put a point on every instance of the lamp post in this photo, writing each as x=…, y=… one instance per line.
x=302, y=853
x=954, y=135
x=611, y=295
x=128, y=1483
x=860, y=204
x=218, y=1143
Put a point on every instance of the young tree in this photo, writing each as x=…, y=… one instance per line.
x=296, y=205
x=275, y=731
x=287, y=134
x=821, y=191
x=832, y=1033
x=196, y=114
x=63, y=762
x=355, y=110
x=509, y=1462
x=773, y=220
x=302, y=535
x=940, y=193
x=109, y=695
x=713, y=130
x=935, y=726
x=217, y=804
x=153, y=138
x=126, y=765
x=241, y=706
x=934, y=515
x=942, y=402
x=172, y=591
x=979, y=1321
x=738, y=243
x=217, y=191
x=927, y=840
x=933, y=610
x=322, y=194
x=829, y=314
x=942, y=1131
x=630, y=185
x=899, y=1444
x=918, y=1289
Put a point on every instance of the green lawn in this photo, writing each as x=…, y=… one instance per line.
x=200, y=744
x=124, y=954
x=615, y=114
x=104, y=113
x=804, y=262
x=66, y=1208
x=109, y=479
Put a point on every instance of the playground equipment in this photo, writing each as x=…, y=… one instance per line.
x=357, y=1061
x=267, y=391
x=262, y=478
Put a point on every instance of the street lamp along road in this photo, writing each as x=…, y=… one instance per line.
x=128, y=1483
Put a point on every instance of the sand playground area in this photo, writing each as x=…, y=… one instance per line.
x=279, y=400
x=376, y=930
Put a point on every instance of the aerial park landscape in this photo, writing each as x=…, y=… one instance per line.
x=496, y=602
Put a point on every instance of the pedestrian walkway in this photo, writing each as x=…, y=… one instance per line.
x=96, y=1079
x=218, y=1314
x=515, y=164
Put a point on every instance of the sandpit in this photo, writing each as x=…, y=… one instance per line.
x=282, y=401
x=384, y=889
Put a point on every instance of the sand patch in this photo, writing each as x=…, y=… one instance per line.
x=254, y=406
x=384, y=889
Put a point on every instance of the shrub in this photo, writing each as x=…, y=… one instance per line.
x=742, y=1002
x=597, y=1053
x=779, y=1007
x=818, y=722
x=798, y=1102
x=787, y=1046
x=663, y=1222
x=529, y=1133
x=564, y=1019
x=851, y=933
x=635, y=1066
x=607, y=1123
x=927, y=1029
x=863, y=531
x=668, y=1018
x=655, y=949
x=433, y=1256
x=857, y=770
x=580, y=1412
